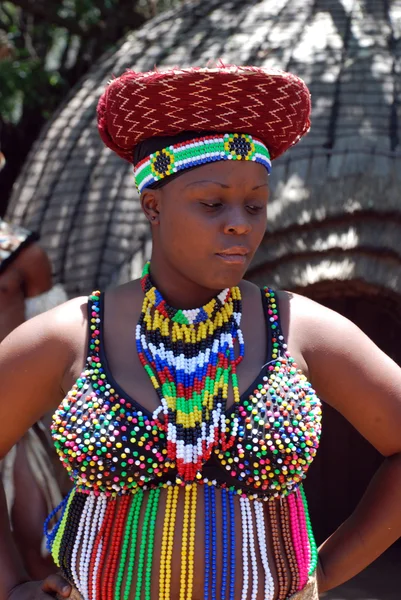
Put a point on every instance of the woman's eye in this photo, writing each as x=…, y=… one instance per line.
x=254, y=208
x=211, y=204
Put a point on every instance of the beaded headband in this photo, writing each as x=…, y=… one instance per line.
x=199, y=151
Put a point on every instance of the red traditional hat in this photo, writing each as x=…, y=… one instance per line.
x=268, y=104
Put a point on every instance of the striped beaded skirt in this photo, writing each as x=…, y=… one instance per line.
x=144, y=544
x=310, y=592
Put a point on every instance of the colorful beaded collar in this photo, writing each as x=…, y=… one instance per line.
x=199, y=151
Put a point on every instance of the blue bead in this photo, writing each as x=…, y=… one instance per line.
x=214, y=541
x=232, y=543
x=224, y=524
x=207, y=542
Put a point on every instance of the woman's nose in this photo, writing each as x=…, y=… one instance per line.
x=237, y=223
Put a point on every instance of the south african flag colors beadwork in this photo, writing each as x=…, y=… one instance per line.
x=190, y=358
x=199, y=151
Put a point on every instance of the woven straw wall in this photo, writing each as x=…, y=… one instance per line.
x=335, y=213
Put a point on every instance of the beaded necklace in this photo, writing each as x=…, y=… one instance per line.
x=190, y=358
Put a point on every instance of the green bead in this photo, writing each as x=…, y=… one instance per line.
x=133, y=537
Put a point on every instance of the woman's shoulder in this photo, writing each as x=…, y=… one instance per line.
x=323, y=338
x=66, y=320
x=36, y=362
x=310, y=329
x=55, y=337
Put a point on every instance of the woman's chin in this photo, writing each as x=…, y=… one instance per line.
x=227, y=277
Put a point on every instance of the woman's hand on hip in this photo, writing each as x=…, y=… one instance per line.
x=53, y=586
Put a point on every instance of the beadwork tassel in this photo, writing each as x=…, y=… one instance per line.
x=207, y=542
x=105, y=540
x=60, y=530
x=252, y=551
x=312, y=543
x=124, y=548
x=224, y=543
x=278, y=558
x=50, y=535
x=133, y=534
x=163, y=551
x=214, y=541
x=77, y=545
x=170, y=529
x=289, y=546
x=70, y=533
x=115, y=545
x=151, y=542
x=96, y=549
x=90, y=531
x=191, y=544
x=188, y=543
x=144, y=536
x=245, y=543
x=296, y=537
x=232, y=543
x=304, y=538
x=269, y=588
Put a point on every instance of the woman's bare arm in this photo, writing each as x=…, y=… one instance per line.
x=354, y=376
x=34, y=360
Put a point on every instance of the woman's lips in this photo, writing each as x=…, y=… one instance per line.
x=237, y=256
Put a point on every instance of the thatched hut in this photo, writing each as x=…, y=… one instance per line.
x=335, y=217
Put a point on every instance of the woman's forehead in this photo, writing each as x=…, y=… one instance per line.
x=225, y=174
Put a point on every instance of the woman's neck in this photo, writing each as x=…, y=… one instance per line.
x=176, y=289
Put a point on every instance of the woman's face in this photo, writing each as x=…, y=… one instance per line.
x=209, y=222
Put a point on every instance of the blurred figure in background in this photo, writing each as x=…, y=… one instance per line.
x=25, y=291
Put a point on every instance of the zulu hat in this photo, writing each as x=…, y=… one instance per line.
x=198, y=115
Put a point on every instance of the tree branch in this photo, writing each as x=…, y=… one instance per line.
x=6, y=12
x=26, y=28
x=125, y=16
x=48, y=12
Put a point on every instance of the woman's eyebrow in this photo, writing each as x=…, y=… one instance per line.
x=223, y=185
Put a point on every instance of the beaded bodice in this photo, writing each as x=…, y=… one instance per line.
x=110, y=443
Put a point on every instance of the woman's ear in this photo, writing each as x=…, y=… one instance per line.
x=150, y=202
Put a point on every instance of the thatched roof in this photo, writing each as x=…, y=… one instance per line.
x=335, y=214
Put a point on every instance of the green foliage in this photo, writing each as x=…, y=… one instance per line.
x=45, y=47
x=53, y=44
x=21, y=82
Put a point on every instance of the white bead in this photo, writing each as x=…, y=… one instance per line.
x=269, y=590
x=251, y=539
x=77, y=542
x=245, y=575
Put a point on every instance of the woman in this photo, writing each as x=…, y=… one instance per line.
x=189, y=430
x=25, y=291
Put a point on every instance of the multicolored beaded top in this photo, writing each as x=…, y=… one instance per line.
x=123, y=460
x=199, y=151
x=265, y=442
